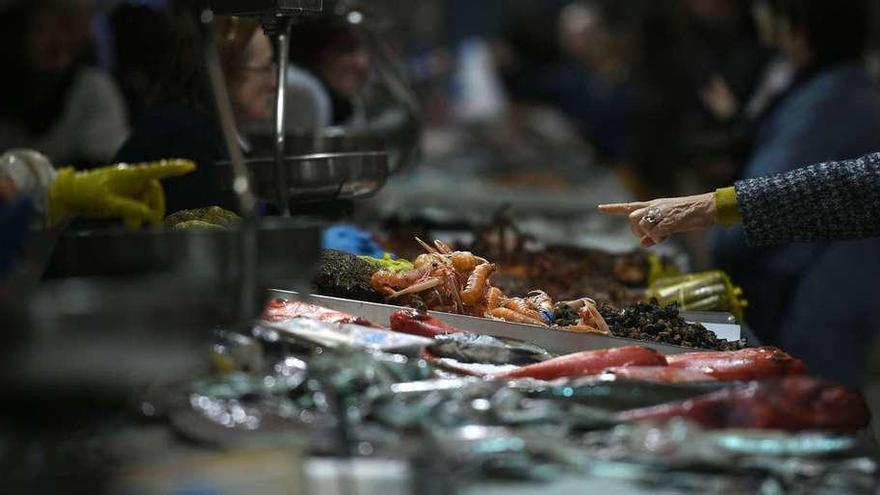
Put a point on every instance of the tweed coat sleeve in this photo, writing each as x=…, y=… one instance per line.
x=829, y=201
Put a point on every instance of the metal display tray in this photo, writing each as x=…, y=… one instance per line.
x=318, y=177
x=556, y=341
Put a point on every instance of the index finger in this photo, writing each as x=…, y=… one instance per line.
x=621, y=208
x=164, y=169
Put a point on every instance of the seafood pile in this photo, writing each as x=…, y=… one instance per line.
x=564, y=272
x=751, y=416
x=652, y=322
x=753, y=375
x=459, y=282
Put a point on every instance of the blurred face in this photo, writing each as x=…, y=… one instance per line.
x=585, y=37
x=255, y=93
x=345, y=65
x=579, y=28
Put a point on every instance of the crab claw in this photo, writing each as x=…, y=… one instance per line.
x=590, y=316
x=579, y=304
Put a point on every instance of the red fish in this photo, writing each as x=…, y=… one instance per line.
x=662, y=374
x=793, y=403
x=745, y=365
x=588, y=363
x=415, y=323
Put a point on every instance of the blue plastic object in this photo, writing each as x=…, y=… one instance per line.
x=352, y=240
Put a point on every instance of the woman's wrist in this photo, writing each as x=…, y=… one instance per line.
x=726, y=209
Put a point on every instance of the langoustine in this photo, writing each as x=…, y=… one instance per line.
x=389, y=283
x=460, y=282
x=512, y=316
x=477, y=284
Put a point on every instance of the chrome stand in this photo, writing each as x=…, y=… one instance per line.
x=282, y=42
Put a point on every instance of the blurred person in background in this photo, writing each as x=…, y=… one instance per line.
x=744, y=116
x=330, y=52
x=574, y=58
x=51, y=100
x=815, y=300
x=719, y=42
x=345, y=73
x=597, y=35
x=181, y=120
x=776, y=77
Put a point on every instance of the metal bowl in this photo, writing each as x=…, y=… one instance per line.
x=322, y=177
x=324, y=140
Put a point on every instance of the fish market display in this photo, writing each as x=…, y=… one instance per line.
x=460, y=282
x=564, y=272
x=589, y=363
x=356, y=390
x=744, y=365
x=791, y=404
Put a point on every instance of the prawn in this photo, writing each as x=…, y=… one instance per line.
x=428, y=248
x=386, y=282
x=590, y=315
x=463, y=261
x=478, y=311
x=450, y=286
x=522, y=307
x=475, y=289
x=540, y=300
x=427, y=283
x=428, y=259
x=514, y=317
x=494, y=298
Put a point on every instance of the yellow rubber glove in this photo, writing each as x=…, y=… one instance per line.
x=130, y=192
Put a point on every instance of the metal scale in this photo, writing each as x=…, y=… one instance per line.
x=304, y=178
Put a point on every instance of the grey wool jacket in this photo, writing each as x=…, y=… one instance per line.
x=829, y=201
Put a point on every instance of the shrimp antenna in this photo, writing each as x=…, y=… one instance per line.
x=427, y=247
